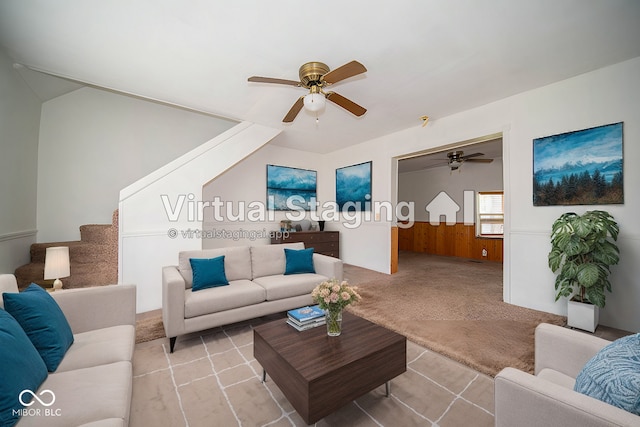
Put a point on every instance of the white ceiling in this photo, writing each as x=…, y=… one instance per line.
x=490, y=149
x=424, y=57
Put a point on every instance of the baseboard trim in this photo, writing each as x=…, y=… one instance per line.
x=17, y=235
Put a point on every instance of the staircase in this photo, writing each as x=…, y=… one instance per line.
x=93, y=258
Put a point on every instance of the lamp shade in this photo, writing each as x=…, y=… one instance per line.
x=314, y=102
x=56, y=263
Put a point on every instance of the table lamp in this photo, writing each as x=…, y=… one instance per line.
x=56, y=265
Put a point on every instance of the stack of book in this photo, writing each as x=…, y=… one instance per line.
x=306, y=317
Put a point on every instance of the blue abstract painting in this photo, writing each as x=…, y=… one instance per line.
x=579, y=168
x=353, y=187
x=290, y=188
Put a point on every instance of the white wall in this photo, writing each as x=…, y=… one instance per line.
x=19, y=120
x=155, y=226
x=245, y=184
x=364, y=237
x=605, y=96
x=97, y=142
x=422, y=186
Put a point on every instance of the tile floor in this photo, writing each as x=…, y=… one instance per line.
x=213, y=380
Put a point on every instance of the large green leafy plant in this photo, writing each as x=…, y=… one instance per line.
x=583, y=250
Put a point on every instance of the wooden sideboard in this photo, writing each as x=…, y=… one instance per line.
x=322, y=242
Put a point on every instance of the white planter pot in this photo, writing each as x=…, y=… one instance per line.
x=583, y=316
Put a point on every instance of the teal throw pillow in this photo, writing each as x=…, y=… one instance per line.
x=208, y=273
x=44, y=322
x=613, y=374
x=299, y=261
x=22, y=369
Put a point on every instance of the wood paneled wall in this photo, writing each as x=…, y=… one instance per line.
x=394, y=250
x=451, y=240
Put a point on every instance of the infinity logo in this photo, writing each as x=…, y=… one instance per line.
x=43, y=392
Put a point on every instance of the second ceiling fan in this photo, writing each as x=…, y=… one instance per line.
x=315, y=76
x=457, y=158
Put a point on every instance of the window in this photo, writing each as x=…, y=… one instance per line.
x=490, y=214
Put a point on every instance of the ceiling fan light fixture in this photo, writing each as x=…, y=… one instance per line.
x=315, y=76
x=454, y=164
x=314, y=102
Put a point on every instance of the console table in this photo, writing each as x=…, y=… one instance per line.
x=322, y=242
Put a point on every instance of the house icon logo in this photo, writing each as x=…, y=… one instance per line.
x=441, y=205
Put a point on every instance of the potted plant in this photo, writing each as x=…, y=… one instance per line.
x=582, y=250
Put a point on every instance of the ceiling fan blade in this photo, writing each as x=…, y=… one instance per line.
x=350, y=69
x=471, y=155
x=347, y=104
x=479, y=160
x=257, y=79
x=295, y=109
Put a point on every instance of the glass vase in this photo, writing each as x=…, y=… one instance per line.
x=334, y=321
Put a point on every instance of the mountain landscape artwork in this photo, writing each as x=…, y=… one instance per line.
x=583, y=167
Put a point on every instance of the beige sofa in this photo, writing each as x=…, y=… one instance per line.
x=547, y=399
x=257, y=287
x=93, y=383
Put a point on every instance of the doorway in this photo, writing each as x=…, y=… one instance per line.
x=443, y=185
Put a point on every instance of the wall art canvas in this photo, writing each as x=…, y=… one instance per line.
x=582, y=167
x=353, y=187
x=290, y=188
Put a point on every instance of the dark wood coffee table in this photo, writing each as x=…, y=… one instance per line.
x=319, y=374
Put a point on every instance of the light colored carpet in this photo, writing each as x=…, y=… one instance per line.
x=212, y=379
x=149, y=326
x=452, y=306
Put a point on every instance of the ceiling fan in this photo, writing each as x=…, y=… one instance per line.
x=315, y=76
x=457, y=158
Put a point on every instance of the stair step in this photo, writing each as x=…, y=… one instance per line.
x=96, y=233
x=82, y=275
x=93, y=259
x=79, y=251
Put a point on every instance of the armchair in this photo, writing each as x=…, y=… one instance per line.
x=547, y=398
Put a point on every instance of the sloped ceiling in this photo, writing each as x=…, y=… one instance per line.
x=45, y=86
x=424, y=57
